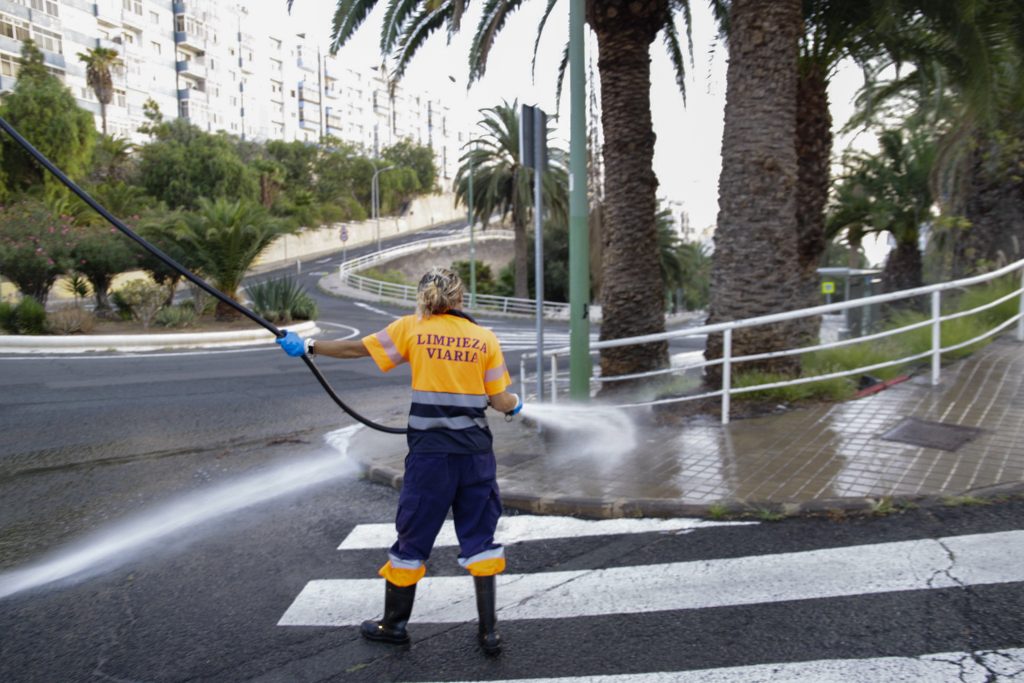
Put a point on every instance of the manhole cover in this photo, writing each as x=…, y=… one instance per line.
x=931, y=434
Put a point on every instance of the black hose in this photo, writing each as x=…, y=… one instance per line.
x=185, y=272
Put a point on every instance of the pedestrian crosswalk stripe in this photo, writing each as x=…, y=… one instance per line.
x=528, y=528
x=949, y=562
x=1004, y=665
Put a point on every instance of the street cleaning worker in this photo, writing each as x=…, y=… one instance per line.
x=457, y=372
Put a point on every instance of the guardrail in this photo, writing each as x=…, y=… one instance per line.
x=347, y=272
x=727, y=361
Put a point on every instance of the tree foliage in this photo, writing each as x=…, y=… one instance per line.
x=46, y=114
x=185, y=164
x=225, y=238
x=36, y=246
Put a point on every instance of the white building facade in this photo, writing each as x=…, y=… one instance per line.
x=213, y=64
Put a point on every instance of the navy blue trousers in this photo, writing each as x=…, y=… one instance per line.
x=437, y=482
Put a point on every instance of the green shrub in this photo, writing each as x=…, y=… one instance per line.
x=71, y=320
x=7, y=323
x=395, y=277
x=30, y=317
x=121, y=306
x=282, y=300
x=836, y=389
x=176, y=316
x=144, y=299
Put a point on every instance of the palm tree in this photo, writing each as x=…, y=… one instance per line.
x=625, y=30
x=889, y=191
x=968, y=85
x=756, y=239
x=98, y=63
x=225, y=238
x=502, y=185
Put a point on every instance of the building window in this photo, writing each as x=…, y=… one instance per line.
x=47, y=40
x=120, y=98
x=14, y=28
x=155, y=46
x=154, y=17
x=9, y=65
x=45, y=6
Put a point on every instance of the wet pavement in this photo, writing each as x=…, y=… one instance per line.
x=837, y=456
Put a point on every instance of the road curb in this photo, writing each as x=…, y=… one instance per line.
x=29, y=344
x=615, y=508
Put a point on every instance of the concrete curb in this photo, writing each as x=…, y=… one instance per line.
x=145, y=342
x=614, y=508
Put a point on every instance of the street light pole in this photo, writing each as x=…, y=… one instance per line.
x=579, y=236
x=472, y=241
x=375, y=198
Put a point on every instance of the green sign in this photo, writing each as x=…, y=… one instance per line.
x=828, y=287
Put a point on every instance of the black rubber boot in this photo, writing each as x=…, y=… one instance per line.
x=489, y=639
x=397, y=610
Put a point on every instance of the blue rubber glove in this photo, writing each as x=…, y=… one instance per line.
x=293, y=344
x=519, y=406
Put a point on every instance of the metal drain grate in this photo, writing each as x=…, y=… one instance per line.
x=927, y=434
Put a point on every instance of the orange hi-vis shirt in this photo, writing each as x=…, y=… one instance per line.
x=456, y=365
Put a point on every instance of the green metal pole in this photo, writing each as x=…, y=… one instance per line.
x=579, y=235
x=472, y=241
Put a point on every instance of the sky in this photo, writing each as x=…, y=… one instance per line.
x=687, y=156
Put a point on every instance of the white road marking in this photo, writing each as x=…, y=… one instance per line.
x=530, y=528
x=137, y=354
x=1006, y=665
x=378, y=311
x=949, y=562
x=353, y=331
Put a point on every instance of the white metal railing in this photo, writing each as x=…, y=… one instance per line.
x=727, y=360
x=348, y=270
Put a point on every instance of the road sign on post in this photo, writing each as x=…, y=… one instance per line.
x=533, y=152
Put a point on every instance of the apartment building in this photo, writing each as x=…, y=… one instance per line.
x=215, y=64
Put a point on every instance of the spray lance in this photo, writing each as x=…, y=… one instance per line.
x=186, y=273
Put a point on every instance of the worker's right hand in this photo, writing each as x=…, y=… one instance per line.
x=293, y=344
x=519, y=406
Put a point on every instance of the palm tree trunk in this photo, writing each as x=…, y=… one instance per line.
x=754, y=271
x=994, y=206
x=814, y=154
x=631, y=283
x=903, y=267
x=103, y=116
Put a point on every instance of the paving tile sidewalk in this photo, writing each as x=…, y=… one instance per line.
x=822, y=457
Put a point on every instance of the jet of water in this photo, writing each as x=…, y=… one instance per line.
x=602, y=432
x=112, y=546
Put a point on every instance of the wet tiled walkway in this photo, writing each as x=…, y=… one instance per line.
x=822, y=457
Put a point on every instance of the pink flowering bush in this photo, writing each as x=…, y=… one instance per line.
x=36, y=247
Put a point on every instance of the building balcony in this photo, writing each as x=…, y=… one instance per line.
x=306, y=64
x=309, y=125
x=194, y=67
x=107, y=12
x=180, y=7
x=133, y=20
x=192, y=92
x=332, y=93
x=188, y=40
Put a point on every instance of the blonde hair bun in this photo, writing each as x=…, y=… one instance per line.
x=440, y=290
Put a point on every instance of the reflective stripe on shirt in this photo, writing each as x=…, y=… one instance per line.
x=389, y=347
x=459, y=422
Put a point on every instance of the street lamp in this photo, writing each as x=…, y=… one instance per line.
x=472, y=223
x=375, y=192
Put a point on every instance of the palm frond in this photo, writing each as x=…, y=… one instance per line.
x=495, y=14
x=540, y=32
x=398, y=12
x=418, y=30
x=348, y=16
